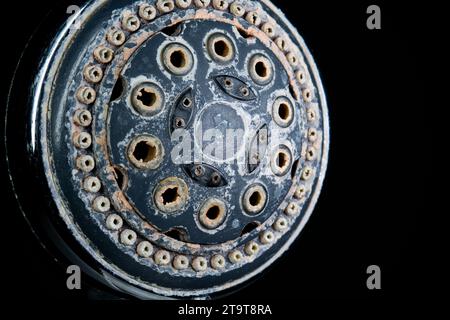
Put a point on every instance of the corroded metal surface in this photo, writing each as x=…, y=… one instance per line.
x=117, y=96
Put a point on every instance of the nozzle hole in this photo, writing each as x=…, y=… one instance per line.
x=178, y=59
x=170, y=196
x=145, y=152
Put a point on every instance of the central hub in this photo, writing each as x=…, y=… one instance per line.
x=220, y=131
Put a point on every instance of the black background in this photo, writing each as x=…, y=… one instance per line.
x=373, y=199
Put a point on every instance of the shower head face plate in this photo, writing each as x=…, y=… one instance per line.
x=184, y=142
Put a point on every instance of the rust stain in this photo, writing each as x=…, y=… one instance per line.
x=102, y=140
x=120, y=201
x=139, y=40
